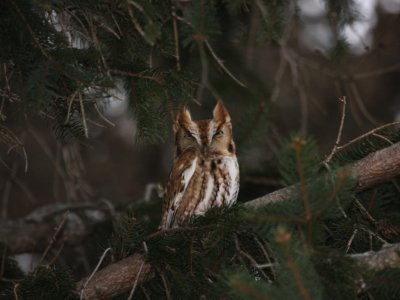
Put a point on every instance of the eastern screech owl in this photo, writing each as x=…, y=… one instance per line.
x=205, y=172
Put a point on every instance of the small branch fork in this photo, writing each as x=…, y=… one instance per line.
x=339, y=135
x=53, y=238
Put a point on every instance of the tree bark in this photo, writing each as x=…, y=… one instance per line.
x=387, y=257
x=116, y=278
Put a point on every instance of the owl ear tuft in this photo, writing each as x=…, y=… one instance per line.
x=220, y=113
x=183, y=119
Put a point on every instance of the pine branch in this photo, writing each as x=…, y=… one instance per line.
x=374, y=168
x=119, y=277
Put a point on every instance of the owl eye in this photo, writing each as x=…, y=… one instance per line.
x=219, y=133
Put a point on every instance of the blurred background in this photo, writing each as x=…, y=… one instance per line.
x=284, y=77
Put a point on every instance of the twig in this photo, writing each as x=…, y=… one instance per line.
x=53, y=238
x=53, y=260
x=221, y=64
x=340, y=148
x=383, y=138
x=159, y=80
x=94, y=271
x=164, y=281
x=339, y=135
x=364, y=211
x=138, y=28
x=379, y=238
x=15, y=290
x=83, y=116
x=266, y=254
x=70, y=100
x=136, y=281
x=10, y=139
x=351, y=240
x=102, y=115
x=175, y=27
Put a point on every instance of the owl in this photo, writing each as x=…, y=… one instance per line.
x=205, y=172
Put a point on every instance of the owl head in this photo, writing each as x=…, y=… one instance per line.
x=212, y=137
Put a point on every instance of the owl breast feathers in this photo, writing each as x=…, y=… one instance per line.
x=205, y=172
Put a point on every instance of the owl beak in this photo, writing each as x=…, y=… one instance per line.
x=204, y=149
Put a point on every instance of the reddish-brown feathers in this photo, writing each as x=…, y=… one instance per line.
x=205, y=171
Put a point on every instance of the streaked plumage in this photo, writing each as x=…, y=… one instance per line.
x=205, y=172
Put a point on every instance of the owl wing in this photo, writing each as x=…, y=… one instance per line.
x=180, y=176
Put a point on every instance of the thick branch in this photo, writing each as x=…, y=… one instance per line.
x=387, y=257
x=116, y=278
x=375, y=168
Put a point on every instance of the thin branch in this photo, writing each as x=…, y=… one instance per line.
x=371, y=132
x=364, y=211
x=70, y=100
x=83, y=116
x=102, y=115
x=220, y=62
x=351, y=240
x=53, y=238
x=94, y=272
x=382, y=138
x=176, y=37
x=339, y=135
x=136, y=281
x=165, y=284
x=138, y=28
x=157, y=79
